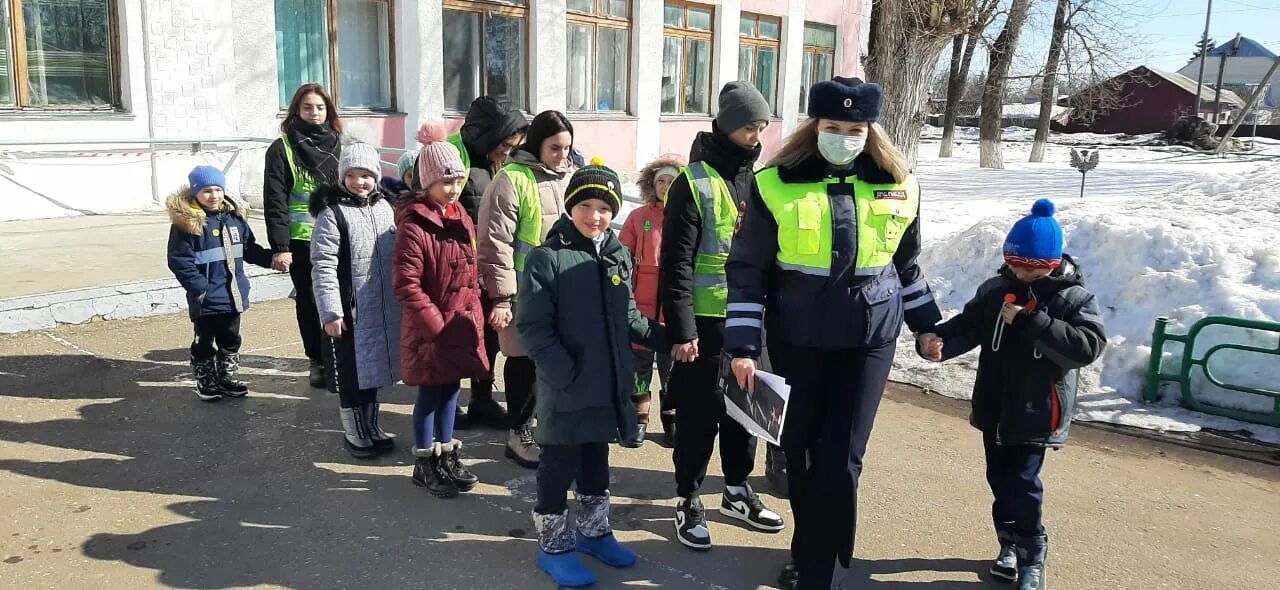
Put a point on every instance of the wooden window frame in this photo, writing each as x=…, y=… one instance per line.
x=486, y=9
x=755, y=42
x=600, y=19
x=16, y=29
x=335, y=81
x=817, y=50
x=686, y=35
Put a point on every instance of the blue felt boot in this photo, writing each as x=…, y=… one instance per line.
x=595, y=536
x=556, y=555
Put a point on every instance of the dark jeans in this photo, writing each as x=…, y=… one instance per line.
x=305, y=305
x=518, y=375
x=561, y=465
x=834, y=398
x=221, y=329
x=702, y=417
x=1014, y=476
x=434, y=413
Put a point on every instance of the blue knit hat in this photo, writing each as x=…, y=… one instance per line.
x=202, y=177
x=1035, y=240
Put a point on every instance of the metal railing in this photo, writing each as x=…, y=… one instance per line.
x=1190, y=361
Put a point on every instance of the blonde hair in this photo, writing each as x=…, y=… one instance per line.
x=803, y=144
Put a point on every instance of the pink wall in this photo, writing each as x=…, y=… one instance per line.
x=387, y=131
x=675, y=136
x=773, y=7
x=612, y=141
x=844, y=14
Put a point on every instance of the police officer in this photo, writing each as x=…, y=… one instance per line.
x=697, y=230
x=827, y=247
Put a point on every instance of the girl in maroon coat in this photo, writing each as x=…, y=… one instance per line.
x=441, y=336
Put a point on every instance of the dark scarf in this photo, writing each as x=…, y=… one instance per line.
x=316, y=147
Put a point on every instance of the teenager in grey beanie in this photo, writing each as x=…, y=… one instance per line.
x=740, y=105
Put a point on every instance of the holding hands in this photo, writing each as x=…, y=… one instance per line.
x=500, y=317
x=685, y=353
x=281, y=261
x=930, y=346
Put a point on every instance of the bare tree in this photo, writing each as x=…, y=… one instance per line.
x=1099, y=45
x=1049, y=85
x=998, y=64
x=962, y=49
x=907, y=37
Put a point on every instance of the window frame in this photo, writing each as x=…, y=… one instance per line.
x=599, y=18
x=486, y=9
x=333, y=85
x=686, y=34
x=756, y=42
x=15, y=29
x=815, y=51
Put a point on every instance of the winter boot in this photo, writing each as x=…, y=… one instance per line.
x=464, y=479
x=641, y=401
x=384, y=442
x=789, y=578
x=775, y=470
x=229, y=375
x=482, y=410
x=556, y=554
x=316, y=376
x=429, y=471
x=1032, y=552
x=355, y=438
x=522, y=449
x=668, y=417
x=206, y=371
x=595, y=536
x=1006, y=564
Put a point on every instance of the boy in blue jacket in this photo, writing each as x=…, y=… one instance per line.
x=208, y=244
x=1037, y=326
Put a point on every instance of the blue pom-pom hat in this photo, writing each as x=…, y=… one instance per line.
x=1035, y=240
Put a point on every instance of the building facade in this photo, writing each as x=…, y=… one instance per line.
x=105, y=104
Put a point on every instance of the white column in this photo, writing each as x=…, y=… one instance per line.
x=548, y=59
x=646, y=76
x=419, y=63
x=864, y=34
x=792, y=62
x=725, y=54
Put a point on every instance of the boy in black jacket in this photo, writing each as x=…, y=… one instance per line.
x=1037, y=326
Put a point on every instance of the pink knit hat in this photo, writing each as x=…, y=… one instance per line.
x=438, y=160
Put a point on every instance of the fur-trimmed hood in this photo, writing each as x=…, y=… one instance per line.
x=186, y=213
x=331, y=194
x=648, y=174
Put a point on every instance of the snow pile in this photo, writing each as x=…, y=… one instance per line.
x=1185, y=237
x=1029, y=110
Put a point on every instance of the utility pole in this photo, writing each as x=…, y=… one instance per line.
x=1222, y=65
x=1248, y=107
x=1204, y=55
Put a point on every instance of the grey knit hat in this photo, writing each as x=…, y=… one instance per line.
x=359, y=155
x=740, y=105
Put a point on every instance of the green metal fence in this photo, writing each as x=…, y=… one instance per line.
x=1190, y=361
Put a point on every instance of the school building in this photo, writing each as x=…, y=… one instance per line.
x=106, y=104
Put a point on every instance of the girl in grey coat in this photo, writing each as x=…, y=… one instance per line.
x=351, y=253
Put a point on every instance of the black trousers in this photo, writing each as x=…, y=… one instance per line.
x=214, y=334
x=834, y=398
x=518, y=376
x=309, y=327
x=1014, y=476
x=702, y=416
x=561, y=465
x=483, y=388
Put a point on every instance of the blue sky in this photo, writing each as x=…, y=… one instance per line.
x=1174, y=26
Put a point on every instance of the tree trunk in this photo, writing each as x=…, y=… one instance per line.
x=907, y=37
x=1000, y=60
x=1048, y=92
x=955, y=87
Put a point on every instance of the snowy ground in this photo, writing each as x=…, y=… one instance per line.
x=1161, y=232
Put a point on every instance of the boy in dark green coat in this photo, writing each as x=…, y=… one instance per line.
x=578, y=319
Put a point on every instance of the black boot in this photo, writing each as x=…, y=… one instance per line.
x=206, y=371
x=429, y=472
x=483, y=410
x=316, y=376
x=641, y=402
x=1005, y=567
x=775, y=470
x=668, y=417
x=229, y=375
x=789, y=578
x=384, y=442
x=464, y=479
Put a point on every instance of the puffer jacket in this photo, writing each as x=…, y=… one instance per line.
x=1027, y=383
x=578, y=318
x=642, y=235
x=201, y=242
x=489, y=122
x=351, y=252
x=496, y=234
x=442, y=337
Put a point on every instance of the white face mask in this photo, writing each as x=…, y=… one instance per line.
x=839, y=149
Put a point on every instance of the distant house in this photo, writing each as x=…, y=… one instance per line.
x=1247, y=62
x=1141, y=100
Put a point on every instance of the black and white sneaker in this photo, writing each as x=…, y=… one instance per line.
x=749, y=509
x=691, y=524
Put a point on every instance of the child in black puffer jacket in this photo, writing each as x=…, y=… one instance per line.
x=1037, y=326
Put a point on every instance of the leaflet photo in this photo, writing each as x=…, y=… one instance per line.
x=763, y=412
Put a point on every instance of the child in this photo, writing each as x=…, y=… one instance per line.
x=1037, y=326
x=575, y=314
x=642, y=235
x=351, y=248
x=401, y=185
x=442, y=338
x=208, y=244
